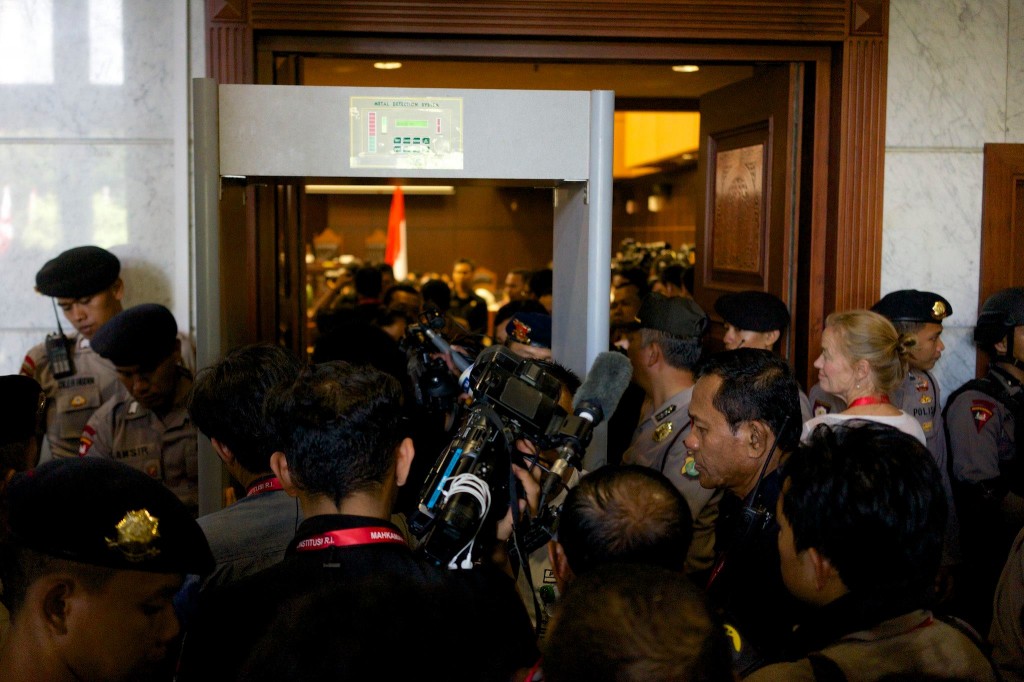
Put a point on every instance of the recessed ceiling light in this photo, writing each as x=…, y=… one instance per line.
x=387, y=66
x=685, y=68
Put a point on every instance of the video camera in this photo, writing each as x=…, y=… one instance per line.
x=437, y=389
x=472, y=483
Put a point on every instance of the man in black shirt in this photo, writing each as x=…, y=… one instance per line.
x=746, y=415
x=466, y=305
x=343, y=451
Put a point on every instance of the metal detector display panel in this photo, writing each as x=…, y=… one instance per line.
x=406, y=132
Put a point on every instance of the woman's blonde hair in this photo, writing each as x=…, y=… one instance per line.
x=865, y=335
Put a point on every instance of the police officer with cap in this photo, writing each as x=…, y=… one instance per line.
x=757, y=319
x=920, y=314
x=94, y=552
x=148, y=426
x=984, y=422
x=664, y=346
x=85, y=282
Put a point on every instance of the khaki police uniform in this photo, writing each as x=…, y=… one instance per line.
x=658, y=444
x=915, y=642
x=72, y=400
x=162, y=447
x=919, y=397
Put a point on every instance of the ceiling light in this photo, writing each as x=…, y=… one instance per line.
x=686, y=68
x=387, y=66
x=379, y=189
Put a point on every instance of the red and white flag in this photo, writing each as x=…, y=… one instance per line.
x=396, y=252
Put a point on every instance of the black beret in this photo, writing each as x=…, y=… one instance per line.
x=910, y=305
x=680, y=317
x=100, y=512
x=81, y=271
x=756, y=311
x=143, y=335
x=21, y=402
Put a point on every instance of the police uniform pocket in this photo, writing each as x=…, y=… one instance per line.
x=74, y=407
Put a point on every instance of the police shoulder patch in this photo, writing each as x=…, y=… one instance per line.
x=981, y=411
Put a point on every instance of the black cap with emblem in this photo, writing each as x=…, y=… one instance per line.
x=911, y=305
x=81, y=271
x=142, y=335
x=100, y=512
x=756, y=311
x=676, y=316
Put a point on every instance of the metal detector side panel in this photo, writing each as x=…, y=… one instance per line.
x=302, y=131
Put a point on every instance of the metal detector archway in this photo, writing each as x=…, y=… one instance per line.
x=561, y=139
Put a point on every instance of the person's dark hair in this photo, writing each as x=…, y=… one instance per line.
x=523, y=273
x=757, y=385
x=628, y=514
x=396, y=288
x=869, y=498
x=542, y=282
x=436, y=294
x=636, y=276
x=467, y=261
x=368, y=281
x=345, y=630
x=226, y=400
x=688, y=279
x=672, y=274
x=569, y=378
x=338, y=425
x=636, y=624
x=678, y=353
x=21, y=566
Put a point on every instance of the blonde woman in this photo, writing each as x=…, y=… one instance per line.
x=863, y=358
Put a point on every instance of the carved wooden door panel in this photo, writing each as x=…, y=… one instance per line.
x=1002, y=224
x=748, y=216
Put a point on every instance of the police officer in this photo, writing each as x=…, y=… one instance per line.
x=147, y=426
x=983, y=420
x=86, y=283
x=664, y=346
x=94, y=555
x=920, y=314
x=756, y=319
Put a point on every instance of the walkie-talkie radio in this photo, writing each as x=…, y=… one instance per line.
x=57, y=351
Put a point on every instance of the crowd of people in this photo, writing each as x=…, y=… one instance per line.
x=742, y=527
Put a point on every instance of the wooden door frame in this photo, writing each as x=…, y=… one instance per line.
x=846, y=41
x=1001, y=246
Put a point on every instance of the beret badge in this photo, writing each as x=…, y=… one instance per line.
x=521, y=331
x=939, y=310
x=136, y=533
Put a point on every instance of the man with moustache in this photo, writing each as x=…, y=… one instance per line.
x=746, y=417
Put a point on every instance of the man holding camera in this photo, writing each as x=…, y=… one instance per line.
x=344, y=454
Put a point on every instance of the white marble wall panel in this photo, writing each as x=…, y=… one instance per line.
x=14, y=343
x=947, y=73
x=931, y=239
x=115, y=196
x=74, y=107
x=958, y=361
x=1015, y=74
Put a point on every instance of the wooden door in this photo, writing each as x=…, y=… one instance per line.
x=1002, y=224
x=748, y=213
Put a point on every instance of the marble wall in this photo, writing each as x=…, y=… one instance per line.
x=956, y=82
x=93, y=150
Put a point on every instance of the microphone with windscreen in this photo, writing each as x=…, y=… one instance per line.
x=595, y=400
